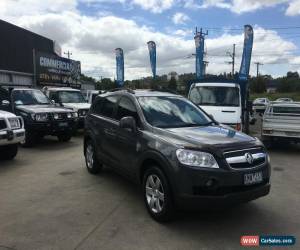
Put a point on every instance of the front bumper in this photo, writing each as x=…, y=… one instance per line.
x=52, y=127
x=228, y=186
x=8, y=137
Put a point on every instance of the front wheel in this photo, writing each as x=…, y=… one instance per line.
x=64, y=137
x=157, y=195
x=8, y=152
x=91, y=161
x=30, y=139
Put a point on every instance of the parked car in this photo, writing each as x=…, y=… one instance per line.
x=170, y=146
x=222, y=100
x=41, y=117
x=285, y=99
x=11, y=133
x=281, y=122
x=260, y=105
x=69, y=98
x=92, y=94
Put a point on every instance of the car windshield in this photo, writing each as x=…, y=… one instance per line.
x=29, y=97
x=215, y=96
x=71, y=97
x=172, y=112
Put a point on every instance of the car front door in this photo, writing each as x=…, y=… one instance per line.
x=104, y=128
x=127, y=140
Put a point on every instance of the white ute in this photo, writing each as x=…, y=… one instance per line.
x=281, y=121
x=12, y=132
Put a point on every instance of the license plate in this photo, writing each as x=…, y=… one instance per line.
x=63, y=124
x=253, y=178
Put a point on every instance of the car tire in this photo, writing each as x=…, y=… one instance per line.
x=30, y=139
x=64, y=137
x=9, y=152
x=157, y=195
x=91, y=161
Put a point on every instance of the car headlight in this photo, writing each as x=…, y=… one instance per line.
x=69, y=115
x=75, y=115
x=56, y=116
x=196, y=158
x=42, y=117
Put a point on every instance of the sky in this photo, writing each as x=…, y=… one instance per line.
x=92, y=29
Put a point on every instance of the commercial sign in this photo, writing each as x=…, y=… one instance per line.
x=152, y=54
x=57, y=71
x=199, y=42
x=120, y=66
x=247, y=52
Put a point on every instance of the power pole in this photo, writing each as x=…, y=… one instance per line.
x=232, y=55
x=68, y=54
x=257, y=67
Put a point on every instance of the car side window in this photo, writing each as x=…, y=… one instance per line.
x=127, y=108
x=105, y=106
x=53, y=96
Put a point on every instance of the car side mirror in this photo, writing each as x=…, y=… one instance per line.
x=128, y=123
x=53, y=101
x=5, y=103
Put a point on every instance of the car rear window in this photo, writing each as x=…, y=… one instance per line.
x=286, y=110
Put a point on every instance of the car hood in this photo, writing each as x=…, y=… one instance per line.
x=208, y=135
x=41, y=108
x=6, y=114
x=77, y=106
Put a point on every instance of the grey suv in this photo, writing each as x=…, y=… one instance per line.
x=174, y=150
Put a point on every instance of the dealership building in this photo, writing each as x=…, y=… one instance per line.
x=28, y=59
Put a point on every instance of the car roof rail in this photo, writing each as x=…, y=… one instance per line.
x=131, y=91
x=164, y=89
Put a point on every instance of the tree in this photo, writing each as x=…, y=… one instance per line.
x=258, y=85
x=292, y=74
x=172, y=84
x=105, y=84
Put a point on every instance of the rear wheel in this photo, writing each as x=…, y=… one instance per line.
x=91, y=161
x=157, y=195
x=8, y=152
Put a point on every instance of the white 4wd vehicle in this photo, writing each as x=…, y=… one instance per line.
x=12, y=132
x=69, y=98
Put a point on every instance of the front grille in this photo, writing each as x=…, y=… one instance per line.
x=2, y=124
x=246, y=158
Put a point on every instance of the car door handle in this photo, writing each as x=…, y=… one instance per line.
x=110, y=132
x=228, y=111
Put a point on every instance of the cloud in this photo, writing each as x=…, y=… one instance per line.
x=180, y=18
x=294, y=8
x=155, y=6
x=242, y=6
x=92, y=40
